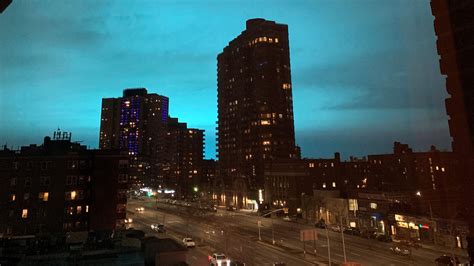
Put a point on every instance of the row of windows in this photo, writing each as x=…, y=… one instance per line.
x=42, y=196
x=262, y=39
x=73, y=210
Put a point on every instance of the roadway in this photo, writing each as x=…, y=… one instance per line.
x=236, y=235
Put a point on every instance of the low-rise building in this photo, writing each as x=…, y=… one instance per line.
x=61, y=186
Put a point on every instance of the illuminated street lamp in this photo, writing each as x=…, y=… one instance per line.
x=195, y=189
x=418, y=194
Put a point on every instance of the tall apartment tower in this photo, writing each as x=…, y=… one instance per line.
x=454, y=27
x=136, y=122
x=255, y=106
x=182, y=167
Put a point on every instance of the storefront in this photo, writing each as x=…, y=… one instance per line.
x=372, y=221
x=412, y=228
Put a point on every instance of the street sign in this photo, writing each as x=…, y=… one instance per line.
x=308, y=235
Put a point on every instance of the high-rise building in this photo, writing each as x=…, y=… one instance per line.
x=62, y=186
x=255, y=106
x=182, y=166
x=136, y=123
x=454, y=27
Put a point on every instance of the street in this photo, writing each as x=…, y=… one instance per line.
x=236, y=235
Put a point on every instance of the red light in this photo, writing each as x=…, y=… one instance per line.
x=209, y=257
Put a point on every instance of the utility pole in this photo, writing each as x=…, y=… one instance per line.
x=329, y=248
x=343, y=244
x=259, y=223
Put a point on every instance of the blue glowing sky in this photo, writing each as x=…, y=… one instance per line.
x=365, y=73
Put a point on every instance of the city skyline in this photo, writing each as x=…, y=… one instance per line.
x=357, y=99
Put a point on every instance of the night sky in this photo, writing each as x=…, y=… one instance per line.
x=365, y=73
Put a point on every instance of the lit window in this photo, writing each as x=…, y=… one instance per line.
x=442, y=169
x=311, y=165
x=373, y=205
x=87, y=208
x=276, y=40
x=71, y=195
x=266, y=142
x=265, y=122
x=43, y=196
x=333, y=184
x=24, y=214
x=79, y=209
x=324, y=185
x=12, y=197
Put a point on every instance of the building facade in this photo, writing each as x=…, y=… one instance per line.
x=454, y=27
x=182, y=165
x=255, y=105
x=136, y=123
x=61, y=186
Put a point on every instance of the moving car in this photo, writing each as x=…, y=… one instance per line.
x=160, y=228
x=128, y=221
x=189, y=242
x=335, y=228
x=218, y=259
x=400, y=250
x=140, y=209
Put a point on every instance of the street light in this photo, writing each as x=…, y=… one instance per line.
x=195, y=189
x=418, y=194
x=273, y=232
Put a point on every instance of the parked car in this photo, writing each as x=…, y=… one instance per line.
x=447, y=260
x=400, y=250
x=289, y=219
x=320, y=224
x=160, y=228
x=218, y=259
x=352, y=231
x=368, y=234
x=189, y=242
x=384, y=238
x=237, y=263
x=230, y=208
x=279, y=264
